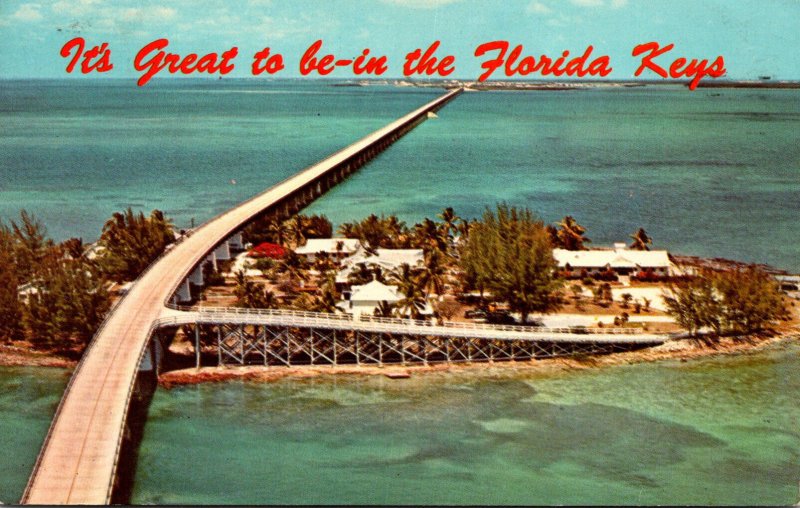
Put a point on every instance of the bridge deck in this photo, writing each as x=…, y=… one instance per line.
x=78, y=460
x=288, y=318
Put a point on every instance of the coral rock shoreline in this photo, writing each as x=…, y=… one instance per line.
x=681, y=350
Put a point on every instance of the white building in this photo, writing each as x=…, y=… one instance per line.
x=366, y=298
x=386, y=259
x=25, y=291
x=335, y=247
x=620, y=259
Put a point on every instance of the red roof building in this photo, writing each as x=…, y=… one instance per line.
x=267, y=250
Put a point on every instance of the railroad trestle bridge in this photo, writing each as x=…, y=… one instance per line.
x=284, y=337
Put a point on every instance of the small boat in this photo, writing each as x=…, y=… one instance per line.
x=431, y=114
x=397, y=374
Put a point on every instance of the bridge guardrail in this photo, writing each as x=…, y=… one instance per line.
x=321, y=317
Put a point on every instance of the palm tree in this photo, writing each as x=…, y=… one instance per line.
x=250, y=294
x=413, y=300
x=449, y=218
x=641, y=240
x=270, y=300
x=348, y=229
x=397, y=232
x=384, y=309
x=304, y=301
x=429, y=235
x=278, y=231
x=326, y=301
x=362, y=274
x=297, y=230
x=403, y=277
x=434, y=273
x=293, y=268
x=571, y=234
x=464, y=227
x=411, y=303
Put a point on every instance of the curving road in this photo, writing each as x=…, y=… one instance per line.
x=78, y=460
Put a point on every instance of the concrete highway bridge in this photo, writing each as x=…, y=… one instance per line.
x=80, y=457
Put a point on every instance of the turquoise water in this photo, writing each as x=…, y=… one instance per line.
x=712, y=172
x=28, y=400
x=709, y=173
x=722, y=431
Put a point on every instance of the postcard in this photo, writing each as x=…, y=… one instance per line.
x=387, y=252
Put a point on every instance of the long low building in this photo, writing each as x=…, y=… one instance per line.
x=338, y=247
x=620, y=260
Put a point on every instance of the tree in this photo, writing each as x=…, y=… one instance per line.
x=570, y=235
x=430, y=235
x=131, y=242
x=509, y=252
x=640, y=240
x=384, y=309
x=362, y=274
x=69, y=305
x=328, y=297
x=10, y=308
x=740, y=300
x=626, y=299
x=577, y=292
x=299, y=228
x=449, y=221
x=412, y=297
x=750, y=299
x=293, y=268
x=693, y=303
x=252, y=295
x=433, y=275
x=447, y=309
x=31, y=245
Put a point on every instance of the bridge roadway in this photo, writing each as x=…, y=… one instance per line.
x=78, y=460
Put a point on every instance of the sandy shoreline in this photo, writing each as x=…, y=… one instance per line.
x=15, y=356
x=682, y=350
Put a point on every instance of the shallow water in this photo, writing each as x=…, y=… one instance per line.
x=713, y=431
x=28, y=399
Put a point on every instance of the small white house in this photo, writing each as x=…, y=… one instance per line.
x=366, y=298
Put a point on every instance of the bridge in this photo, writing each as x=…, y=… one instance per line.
x=80, y=457
x=78, y=460
x=288, y=337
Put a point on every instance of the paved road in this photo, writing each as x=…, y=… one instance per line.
x=78, y=460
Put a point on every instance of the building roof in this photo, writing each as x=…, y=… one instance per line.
x=374, y=291
x=386, y=259
x=615, y=258
x=329, y=245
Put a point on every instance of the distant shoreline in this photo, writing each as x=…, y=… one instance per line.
x=564, y=85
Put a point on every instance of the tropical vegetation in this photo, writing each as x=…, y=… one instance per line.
x=509, y=252
x=736, y=301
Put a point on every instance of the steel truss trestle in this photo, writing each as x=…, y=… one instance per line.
x=239, y=344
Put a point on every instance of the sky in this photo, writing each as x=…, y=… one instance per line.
x=755, y=37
